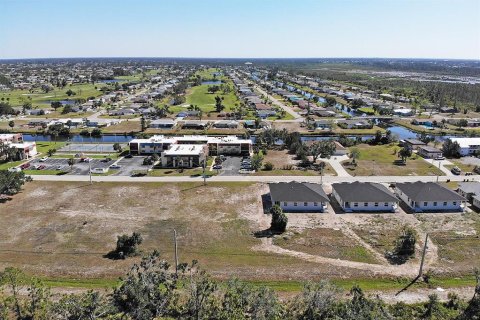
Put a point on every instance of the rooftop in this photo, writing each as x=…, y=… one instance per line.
x=363, y=192
x=428, y=191
x=298, y=191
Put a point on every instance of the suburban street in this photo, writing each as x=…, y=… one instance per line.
x=252, y=178
x=298, y=118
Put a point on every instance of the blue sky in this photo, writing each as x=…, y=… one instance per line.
x=240, y=28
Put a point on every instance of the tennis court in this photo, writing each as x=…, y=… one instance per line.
x=89, y=147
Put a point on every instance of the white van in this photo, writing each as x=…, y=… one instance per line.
x=99, y=170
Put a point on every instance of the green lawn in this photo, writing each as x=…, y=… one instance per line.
x=45, y=172
x=379, y=161
x=199, y=96
x=44, y=146
x=8, y=165
x=40, y=98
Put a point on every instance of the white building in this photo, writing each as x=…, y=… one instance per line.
x=468, y=146
x=228, y=145
x=299, y=197
x=429, y=196
x=24, y=150
x=184, y=156
x=364, y=197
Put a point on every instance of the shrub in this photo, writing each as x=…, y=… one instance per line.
x=279, y=219
x=268, y=166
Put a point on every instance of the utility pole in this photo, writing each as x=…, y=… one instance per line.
x=204, y=176
x=321, y=175
x=420, y=272
x=90, y=169
x=176, y=252
x=439, y=161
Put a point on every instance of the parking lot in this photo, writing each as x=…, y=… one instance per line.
x=230, y=166
x=128, y=165
x=79, y=168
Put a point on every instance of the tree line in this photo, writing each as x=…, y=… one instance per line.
x=153, y=289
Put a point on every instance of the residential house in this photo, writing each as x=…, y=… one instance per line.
x=323, y=124
x=469, y=190
x=266, y=113
x=413, y=144
x=298, y=196
x=429, y=152
x=195, y=124
x=429, y=196
x=364, y=197
x=225, y=124
x=354, y=124
x=162, y=124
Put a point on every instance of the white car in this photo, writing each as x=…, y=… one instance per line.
x=15, y=169
x=99, y=170
x=43, y=159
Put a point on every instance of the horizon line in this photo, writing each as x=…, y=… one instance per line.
x=236, y=58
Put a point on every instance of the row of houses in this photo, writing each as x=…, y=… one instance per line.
x=192, y=124
x=468, y=147
x=368, y=197
x=74, y=122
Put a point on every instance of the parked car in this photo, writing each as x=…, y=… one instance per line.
x=99, y=170
x=43, y=159
x=440, y=158
x=41, y=167
x=58, y=168
x=115, y=166
x=456, y=171
x=15, y=169
x=217, y=167
x=25, y=166
x=128, y=156
x=85, y=159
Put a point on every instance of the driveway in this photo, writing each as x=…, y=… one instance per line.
x=441, y=165
x=336, y=164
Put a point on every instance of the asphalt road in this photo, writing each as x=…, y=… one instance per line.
x=251, y=178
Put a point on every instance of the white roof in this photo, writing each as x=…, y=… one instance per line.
x=466, y=142
x=199, y=138
x=184, y=150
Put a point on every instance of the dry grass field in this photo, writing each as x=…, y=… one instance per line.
x=62, y=230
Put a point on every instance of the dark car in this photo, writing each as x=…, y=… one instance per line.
x=25, y=166
x=128, y=156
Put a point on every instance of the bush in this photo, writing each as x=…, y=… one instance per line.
x=268, y=166
x=279, y=219
x=404, y=246
x=50, y=152
x=126, y=246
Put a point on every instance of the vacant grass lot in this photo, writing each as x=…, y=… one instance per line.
x=328, y=243
x=62, y=230
x=200, y=96
x=380, y=161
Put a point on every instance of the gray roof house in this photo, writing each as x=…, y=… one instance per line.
x=469, y=190
x=299, y=196
x=429, y=196
x=364, y=197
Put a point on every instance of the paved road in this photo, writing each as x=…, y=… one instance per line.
x=251, y=178
x=298, y=118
